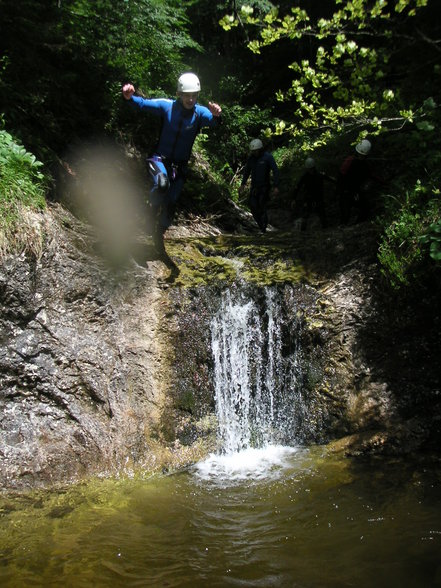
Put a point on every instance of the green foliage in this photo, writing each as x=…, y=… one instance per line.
x=402, y=254
x=433, y=239
x=356, y=69
x=15, y=158
x=239, y=125
x=20, y=173
x=22, y=185
x=409, y=248
x=154, y=37
x=344, y=80
x=247, y=14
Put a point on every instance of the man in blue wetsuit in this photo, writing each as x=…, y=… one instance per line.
x=260, y=165
x=182, y=120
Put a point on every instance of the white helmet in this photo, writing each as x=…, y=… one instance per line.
x=189, y=82
x=256, y=144
x=309, y=163
x=364, y=147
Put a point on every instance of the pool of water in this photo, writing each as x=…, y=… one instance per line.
x=297, y=518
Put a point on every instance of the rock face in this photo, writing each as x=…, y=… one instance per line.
x=103, y=369
x=79, y=389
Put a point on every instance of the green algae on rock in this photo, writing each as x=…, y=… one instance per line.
x=263, y=260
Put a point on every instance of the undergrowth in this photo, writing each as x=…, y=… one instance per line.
x=410, y=249
x=22, y=192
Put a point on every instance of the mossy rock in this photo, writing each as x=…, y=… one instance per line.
x=261, y=260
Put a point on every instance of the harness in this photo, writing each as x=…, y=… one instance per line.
x=162, y=172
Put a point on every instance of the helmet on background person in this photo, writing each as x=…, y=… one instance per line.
x=309, y=163
x=256, y=144
x=189, y=82
x=363, y=147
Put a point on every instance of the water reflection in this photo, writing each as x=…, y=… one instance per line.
x=315, y=520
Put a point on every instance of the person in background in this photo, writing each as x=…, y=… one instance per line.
x=355, y=184
x=311, y=186
x=182, y=119
x=260, y=165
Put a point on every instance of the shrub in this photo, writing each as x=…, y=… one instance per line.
x=415, y=223
x=22, y=188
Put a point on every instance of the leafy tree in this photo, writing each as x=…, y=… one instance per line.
x=344, y=67
x=357, y=68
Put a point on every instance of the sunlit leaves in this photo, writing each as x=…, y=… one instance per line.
x=342, y=85
x=280, y=127
x=410, y=5
x=407, y=115
x=22, y=186
x=228, y=22
x=246, y=10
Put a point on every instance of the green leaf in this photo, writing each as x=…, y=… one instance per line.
x=424, y=125
x=429, y=104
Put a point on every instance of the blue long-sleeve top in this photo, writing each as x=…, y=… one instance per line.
x=260, y=168
x=180, y=126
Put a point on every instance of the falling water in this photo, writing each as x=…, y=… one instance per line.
x=257, y=382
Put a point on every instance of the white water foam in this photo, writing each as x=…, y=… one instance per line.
x=267, y=463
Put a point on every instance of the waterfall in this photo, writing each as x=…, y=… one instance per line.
x=257, y=375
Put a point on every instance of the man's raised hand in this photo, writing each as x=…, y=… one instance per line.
x=214, y=108
x=128, y=90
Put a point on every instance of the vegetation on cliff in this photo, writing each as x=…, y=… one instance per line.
x=22, y=189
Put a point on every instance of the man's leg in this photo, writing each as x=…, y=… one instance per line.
x=308, y=210
x=263, y=212
x=320, y=207
x=158, y=197
x=363, y=205
x=346, y=201
x=172, y=198
x=257, y=202
x=254, y=205
x=165, y=213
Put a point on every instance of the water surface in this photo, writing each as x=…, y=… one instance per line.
x=276, y=517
